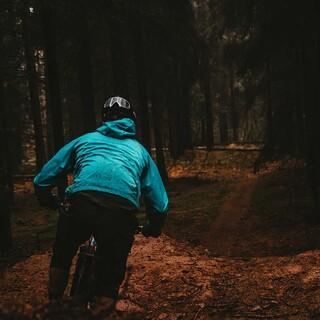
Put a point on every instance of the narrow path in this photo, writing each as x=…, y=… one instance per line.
x=168, y=280
x=226, y=230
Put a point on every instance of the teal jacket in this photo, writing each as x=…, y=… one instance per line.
x=109, y=160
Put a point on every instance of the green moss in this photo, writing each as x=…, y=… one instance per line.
x=194, y=207
x=282, y=196
x=33, y=228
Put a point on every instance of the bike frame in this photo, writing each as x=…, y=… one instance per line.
x=83, y=281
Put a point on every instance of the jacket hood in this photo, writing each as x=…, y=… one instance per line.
x=120, y=129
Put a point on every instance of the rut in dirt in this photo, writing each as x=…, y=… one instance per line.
x=227, y=228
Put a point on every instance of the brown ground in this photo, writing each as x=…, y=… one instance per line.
x=227, y=229
x=236, y=275
x=168, y=280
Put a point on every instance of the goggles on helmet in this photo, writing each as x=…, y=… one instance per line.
x=122, y=103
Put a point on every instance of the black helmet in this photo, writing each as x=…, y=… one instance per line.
x=117, y=108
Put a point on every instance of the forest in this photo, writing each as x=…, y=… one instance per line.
x=227, y=99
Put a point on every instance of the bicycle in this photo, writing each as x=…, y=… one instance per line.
x=83, y=280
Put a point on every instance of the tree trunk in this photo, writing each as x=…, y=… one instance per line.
x=173, y=138
x=118, y=56
x=54, y=97
x=300, y=129
x=234, y=112
x=5, y=219
x=206, y=84
x=139, y=55
x=223, y=127
x=33, y=92
x=173, y=111
x=84, y=69
x=269, y=118
x=185, y=101
x=310, y=54
x=157, y=129
x=6, y=191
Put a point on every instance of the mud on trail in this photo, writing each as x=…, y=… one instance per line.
x=231, y=273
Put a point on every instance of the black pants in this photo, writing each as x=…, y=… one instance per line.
x=113, y=225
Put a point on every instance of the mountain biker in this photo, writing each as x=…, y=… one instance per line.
x=111, y=171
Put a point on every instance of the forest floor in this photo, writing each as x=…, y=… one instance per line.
x=236, y=246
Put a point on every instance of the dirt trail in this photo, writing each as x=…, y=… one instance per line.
x=168, y=281
x=226, y=230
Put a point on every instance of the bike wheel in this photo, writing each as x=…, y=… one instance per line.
x=83, y=281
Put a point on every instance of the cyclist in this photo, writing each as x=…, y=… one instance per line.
x=111, y=170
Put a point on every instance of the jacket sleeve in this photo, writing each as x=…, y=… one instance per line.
x=59, y=165
x=153, y=190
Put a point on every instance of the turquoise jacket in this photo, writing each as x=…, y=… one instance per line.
x=109, y=160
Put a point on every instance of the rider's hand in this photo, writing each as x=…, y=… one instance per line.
x=46, y=198
x=150, y=230
x=154, y=225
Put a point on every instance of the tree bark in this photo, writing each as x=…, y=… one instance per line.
x=140, y=60
x=6, y=186
x=206, y=84
x=234, y=113
x=33, y=93
x=175, y=110
x=54, y=95
x=118, y=57
x=185, y=101
x=157, y=129
x=84, y=68
x=269, y=119
x=310, y=57
x=223, y=127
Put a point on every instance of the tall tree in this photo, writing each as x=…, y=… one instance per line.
x=33, y=89
x=53, y=81
x=84, y=65
x=117, y=48
x=137, y=27
x=233, y=107
x=206, y=83
x=157, y=129
x=5, y=174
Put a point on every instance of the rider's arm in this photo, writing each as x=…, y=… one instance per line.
x=59, y=165
x=153, y=190
x=156, y=198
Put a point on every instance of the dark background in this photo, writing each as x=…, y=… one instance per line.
x=201, y=74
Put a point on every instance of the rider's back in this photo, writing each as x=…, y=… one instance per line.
x=109, y=160
x=108, y=164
